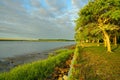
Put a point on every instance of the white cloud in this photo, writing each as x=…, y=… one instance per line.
x=37, y=19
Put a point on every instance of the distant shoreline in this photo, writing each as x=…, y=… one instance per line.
x=35, y=40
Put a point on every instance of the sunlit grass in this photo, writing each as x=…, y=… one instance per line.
x=95, y=63
x=38, y=70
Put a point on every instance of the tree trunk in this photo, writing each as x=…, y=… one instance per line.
x=105, y=44
x=98, y=44
x=93, y=41
x=82, y=43
x=107, y=40
x=106, y=36
x=115, y=40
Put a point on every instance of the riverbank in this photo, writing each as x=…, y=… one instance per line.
x=38, y=70
x=8, y=63
x=92, y=63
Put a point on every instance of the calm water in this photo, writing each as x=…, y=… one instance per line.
x=16, y=48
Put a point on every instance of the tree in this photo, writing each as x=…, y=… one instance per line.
x=104, y=14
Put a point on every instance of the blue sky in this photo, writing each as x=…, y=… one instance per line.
x=38, y=18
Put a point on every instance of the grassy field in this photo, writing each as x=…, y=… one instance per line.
x=38, y=70
x=94, y=63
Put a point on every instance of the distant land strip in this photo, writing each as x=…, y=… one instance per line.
x=12, y=39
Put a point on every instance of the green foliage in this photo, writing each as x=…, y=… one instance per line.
x=115, y=15
x=99, y=9
x=98, y=20
x=38, y=70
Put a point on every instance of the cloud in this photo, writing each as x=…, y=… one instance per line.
x=38, y=18
x=35, y=3
x=79, y=3
x=57, y=5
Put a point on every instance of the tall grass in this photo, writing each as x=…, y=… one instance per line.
x=38, y=70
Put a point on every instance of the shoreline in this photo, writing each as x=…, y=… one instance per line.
x=8, y=63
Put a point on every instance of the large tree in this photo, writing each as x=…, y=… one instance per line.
x=98, y=18
x=104, y=15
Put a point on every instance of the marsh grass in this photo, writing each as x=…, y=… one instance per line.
x=38, y=70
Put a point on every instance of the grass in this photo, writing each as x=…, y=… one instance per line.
x=38, y=70
x=94, y=63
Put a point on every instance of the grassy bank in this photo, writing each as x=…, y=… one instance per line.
x=94, y=63
x=38, y=70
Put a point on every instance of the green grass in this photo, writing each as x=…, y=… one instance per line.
x=94, y=63
x=38, y=70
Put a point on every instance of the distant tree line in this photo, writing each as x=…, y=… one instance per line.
x=54, y=40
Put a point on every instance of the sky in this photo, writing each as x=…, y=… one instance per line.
x=39, y=18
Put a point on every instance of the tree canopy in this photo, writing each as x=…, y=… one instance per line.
x=99, y=19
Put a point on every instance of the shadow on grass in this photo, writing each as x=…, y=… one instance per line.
x=115, y=48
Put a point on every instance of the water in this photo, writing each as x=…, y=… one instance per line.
x=16, y=48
